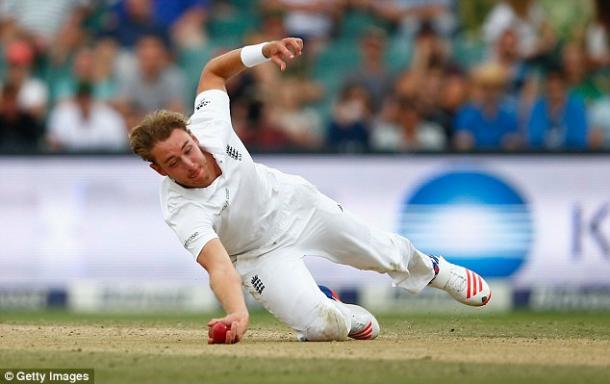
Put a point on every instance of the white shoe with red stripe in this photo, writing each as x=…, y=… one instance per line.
x=364, y=324
x=461, y=283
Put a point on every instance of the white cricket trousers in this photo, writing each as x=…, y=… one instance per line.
x=280, y=281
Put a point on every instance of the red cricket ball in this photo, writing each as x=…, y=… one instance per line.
x=219, y=333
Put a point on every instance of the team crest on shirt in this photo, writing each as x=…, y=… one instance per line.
x=233, y=153
x=257, y=284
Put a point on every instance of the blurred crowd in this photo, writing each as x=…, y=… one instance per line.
x=377, y=75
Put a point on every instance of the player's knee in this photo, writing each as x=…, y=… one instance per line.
x=329, y=324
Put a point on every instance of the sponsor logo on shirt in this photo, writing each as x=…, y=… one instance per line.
x=227, y=202
x=190, y=239
x=202, y=103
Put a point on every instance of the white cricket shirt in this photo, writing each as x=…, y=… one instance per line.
x=251, y=208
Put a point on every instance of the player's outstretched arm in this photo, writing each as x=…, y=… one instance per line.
x=221, y=68
x=226, y=284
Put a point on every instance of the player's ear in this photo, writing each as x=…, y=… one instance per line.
x=158, y=169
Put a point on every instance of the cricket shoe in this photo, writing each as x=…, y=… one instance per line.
x=364, y=325
x=461, y=283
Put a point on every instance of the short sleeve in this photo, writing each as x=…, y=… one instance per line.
x=211, y=121
x=192, y=226
x=212, y=104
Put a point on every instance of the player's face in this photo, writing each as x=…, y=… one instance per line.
x=181, y=158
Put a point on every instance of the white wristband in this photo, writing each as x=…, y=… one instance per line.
x=252, y=55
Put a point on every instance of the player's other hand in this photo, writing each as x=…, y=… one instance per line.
x=238, y=324
x=283, y=51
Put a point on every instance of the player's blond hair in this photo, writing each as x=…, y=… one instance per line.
x=156, y=126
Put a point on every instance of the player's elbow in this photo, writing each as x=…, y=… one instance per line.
x=208, y=70
x=211, y=77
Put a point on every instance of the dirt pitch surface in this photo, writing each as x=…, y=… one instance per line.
x=521, y=347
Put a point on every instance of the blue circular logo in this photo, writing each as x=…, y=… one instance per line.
x=473, y=219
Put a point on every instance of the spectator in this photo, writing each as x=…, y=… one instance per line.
x=522, y=84
x=92, y=66
x=599, y=117
x=506, y=54
x=411, y=14
x=32, y=93
x=257, y=129
x=272, y=26
x=184, y=19
x=312, y=20
x=132, y=20
x=372, y=74
x=452, y=96
x=157, y=84
x=84, y=124
x=558, y=120
x=489, y=122
x=104, y=73
x=300, y=124
x=70, y=37
x=430, y=66
x=268, y=79
x=408, y=84
x=402, y=128
x=580, y=81
x=598, y=35
x=273, y=110
x=349, y=128
x=432, y=51
x=527, y=18
x=429, y=96
x=42, y=19
x=19, y=130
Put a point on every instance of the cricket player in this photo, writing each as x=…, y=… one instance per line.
x=249, y=225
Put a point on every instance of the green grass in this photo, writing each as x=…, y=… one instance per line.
x=164, y=348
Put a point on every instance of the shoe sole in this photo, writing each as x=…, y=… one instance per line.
x=487, y=300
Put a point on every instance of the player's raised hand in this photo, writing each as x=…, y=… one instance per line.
x=237, y=324
x=283, y=51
